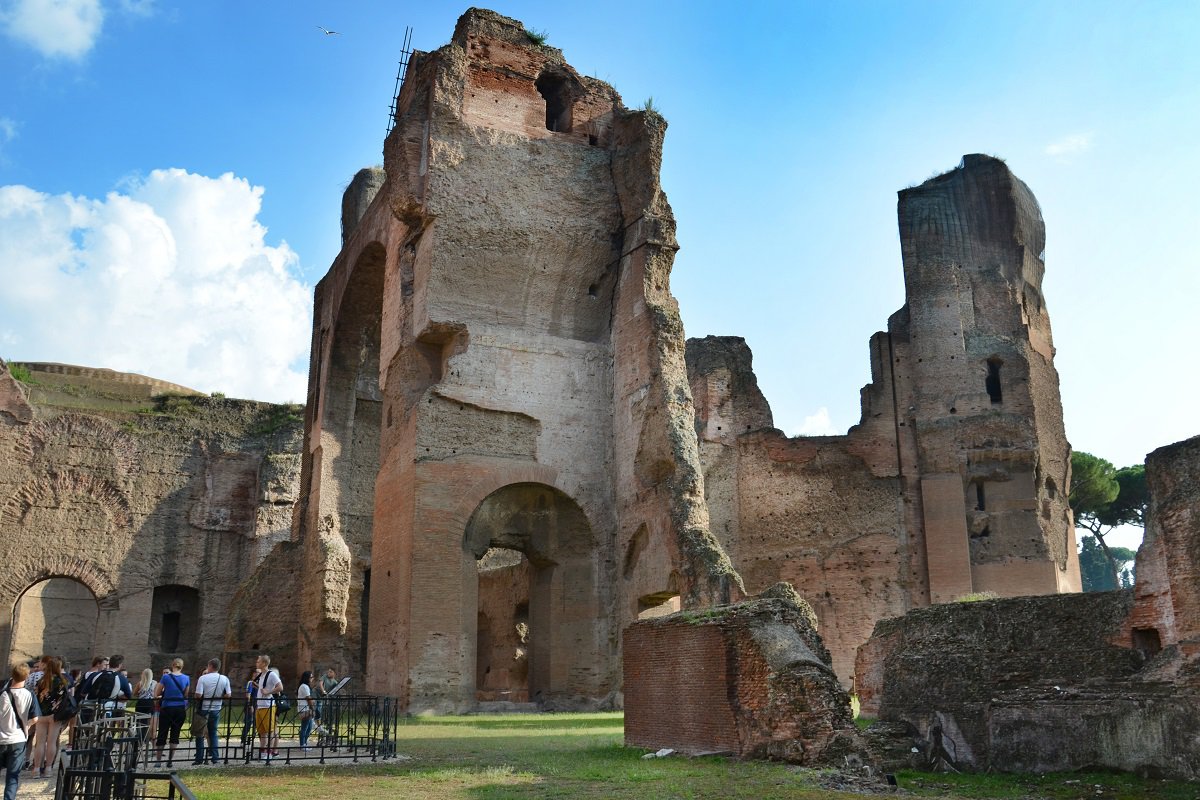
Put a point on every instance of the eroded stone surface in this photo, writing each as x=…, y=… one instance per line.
x=498, y=362
x=752, y=679
x=154, y=505
x=1061, y=682
x=954, y=479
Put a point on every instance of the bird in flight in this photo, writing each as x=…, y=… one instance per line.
x=328, y=32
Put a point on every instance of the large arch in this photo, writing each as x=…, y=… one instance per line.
x=20, y=576
x=554, y=534
x=55, y=615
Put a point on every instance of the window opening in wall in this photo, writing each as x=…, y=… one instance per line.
x=992, y=384
x=556, y=91
x=980, y=500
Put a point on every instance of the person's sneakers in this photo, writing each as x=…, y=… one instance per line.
x=197, y=763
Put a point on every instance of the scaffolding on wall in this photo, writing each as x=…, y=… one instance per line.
x=401, y=73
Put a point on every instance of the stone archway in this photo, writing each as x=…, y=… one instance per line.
x=17, y=581
x=58, y=616
x=563, y=611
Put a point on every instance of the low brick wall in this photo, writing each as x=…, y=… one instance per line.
x=752, y=679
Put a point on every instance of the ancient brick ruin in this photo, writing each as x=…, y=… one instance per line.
x=954, y=480
x=1065, y=682
x=510, y=456
x=131, y=524
x=498, y=365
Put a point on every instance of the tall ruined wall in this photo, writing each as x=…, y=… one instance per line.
x=496, y=347
x=953, y=481
x=822, y=513
x=160, y=505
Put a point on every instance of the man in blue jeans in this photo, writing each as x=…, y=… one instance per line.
x=19, y=712
x=212, y=690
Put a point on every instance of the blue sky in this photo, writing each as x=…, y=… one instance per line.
x=170, y=177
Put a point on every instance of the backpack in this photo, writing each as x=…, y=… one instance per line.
x=105, y=686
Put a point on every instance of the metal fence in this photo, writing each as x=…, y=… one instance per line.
x=113, y=753
x=350, y=727
x=101, y=761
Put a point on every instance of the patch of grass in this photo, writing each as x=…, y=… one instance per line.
x=975, y=597
x=649, y=107
x=21, y=372
x=275, y=417
x=538, y=37
x=175, y=405
x=517, y=756
x=581, y=757
x=1052, y=786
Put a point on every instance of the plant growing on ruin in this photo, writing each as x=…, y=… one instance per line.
x=20, y=372
x=536, y=36
x=274, y=417
x=975, y=597
x=649, y=107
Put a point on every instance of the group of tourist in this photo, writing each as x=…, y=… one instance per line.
x=44, y=697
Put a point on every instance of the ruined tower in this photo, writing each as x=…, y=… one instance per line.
x=980, y=423
x=954, y=480
x=498, y=359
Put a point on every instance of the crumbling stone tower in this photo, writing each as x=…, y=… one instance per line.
x=496, y=354
x=953, y=481
x=978, y=415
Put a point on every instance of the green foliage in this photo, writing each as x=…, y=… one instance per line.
x=1093, y=485
x=217, y=395
x=275, y=417
x=538, y=37
x=975, y=597
x=649, y=107
x=1095, y=570
x=1102, y=498
x=175, y=405
x=20, y=372
x=1129, y=507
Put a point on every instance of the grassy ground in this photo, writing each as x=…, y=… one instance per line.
x=581, y=756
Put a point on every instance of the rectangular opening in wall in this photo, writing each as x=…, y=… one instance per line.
x=992, y=383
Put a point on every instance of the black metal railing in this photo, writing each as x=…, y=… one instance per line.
x=351, y=727
x=101, y=761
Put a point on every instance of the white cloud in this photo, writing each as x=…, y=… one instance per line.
x=55, y=28
x=818, y=424
x=172, y=279
x=1068, y=146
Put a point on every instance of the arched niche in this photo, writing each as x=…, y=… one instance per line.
x=561, y=608
x=55, y=616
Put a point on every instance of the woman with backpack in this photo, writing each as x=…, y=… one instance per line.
x=51, y=691
x=172, y=693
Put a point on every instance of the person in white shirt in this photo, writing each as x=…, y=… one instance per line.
x=212, y=690
x=268, y=685
x=19, y=712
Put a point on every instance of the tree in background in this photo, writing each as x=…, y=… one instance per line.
x=1102, y=498
x=1094, y=566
